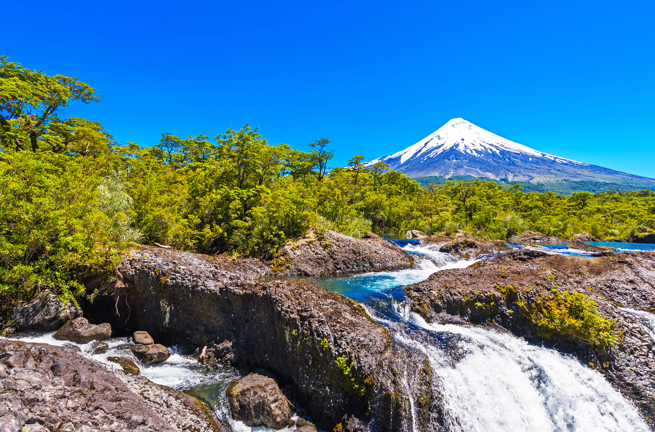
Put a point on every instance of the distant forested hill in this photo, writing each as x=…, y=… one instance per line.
x=563, y=187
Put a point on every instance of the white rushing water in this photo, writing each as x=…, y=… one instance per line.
x=502, y=383
x=498, y=382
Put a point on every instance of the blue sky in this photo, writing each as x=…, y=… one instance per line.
x=574, y=78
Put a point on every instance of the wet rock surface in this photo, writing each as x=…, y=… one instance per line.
x=336, y=254
x=467, y=246
x=257, y=401
x=128, y=366
x=57, y=389
x=44, y=312
x=81, y=331
x=151, y=354
x=536, y=237
x=494, y=293
x=323, y=345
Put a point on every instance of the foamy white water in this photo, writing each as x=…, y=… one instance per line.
x=502, y=383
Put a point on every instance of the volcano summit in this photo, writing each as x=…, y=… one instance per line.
x=462, y=148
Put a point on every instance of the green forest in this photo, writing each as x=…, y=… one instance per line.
x=72, y=199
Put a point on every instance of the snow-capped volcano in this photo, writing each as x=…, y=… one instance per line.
x=461, y=148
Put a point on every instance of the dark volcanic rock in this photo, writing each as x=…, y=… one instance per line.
x=467, y=246
x=536, y=237
x=305, y=335
x=60, y=390
x=257, y=401
x=80, y=331
x=44, y=312
x=98, y=347
x=583, y=237
x=494, y=292
x=151, y=354
x=142, y=338
x=339, y=254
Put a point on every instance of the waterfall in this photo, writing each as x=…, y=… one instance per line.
x=497, y=382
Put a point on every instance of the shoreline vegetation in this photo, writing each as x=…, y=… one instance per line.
x=73, y=198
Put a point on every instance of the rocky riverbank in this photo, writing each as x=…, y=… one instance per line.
x=530, y=294
x=337, y=254
x=334, y=358
x=43, y=387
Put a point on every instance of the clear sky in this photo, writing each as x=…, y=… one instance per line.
x=572, y=78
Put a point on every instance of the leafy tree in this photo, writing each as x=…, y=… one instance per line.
x=321, y=156
x=30, y=101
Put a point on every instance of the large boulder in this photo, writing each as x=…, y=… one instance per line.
x=81, y=331
x=61, y=390
x=335, y=254
x=151, y=354
x=45, y=311
x=257, y=401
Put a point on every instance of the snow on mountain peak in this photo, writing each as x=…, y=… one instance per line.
x=465, y=137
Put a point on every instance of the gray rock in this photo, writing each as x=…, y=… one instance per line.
x=142, y=338
x=98, y=347
x=151, y=354
x=339, y=254
x=414, y=234
x=129, y=367
x=80, y=331
x=257, y=401
x=306, y=428
x=68, y=392
x=44, y=312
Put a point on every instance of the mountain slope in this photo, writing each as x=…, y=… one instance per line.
x=462, y=148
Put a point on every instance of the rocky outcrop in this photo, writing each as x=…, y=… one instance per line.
x=44, y=312
x=56, y=389
x=257, y=401
x=322, y=345
x=467, y=246
x=504, y=291
x=536, y=237
x=414, y=234
x=151, y=354
x=584, y=237
x=335, y=254
x=80, y=331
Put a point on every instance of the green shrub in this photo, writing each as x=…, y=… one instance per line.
x=52, y=233
x=570, y=314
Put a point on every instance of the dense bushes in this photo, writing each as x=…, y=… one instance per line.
x=72, y=198
x=53, y=232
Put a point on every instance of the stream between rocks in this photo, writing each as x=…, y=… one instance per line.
x=491, y=381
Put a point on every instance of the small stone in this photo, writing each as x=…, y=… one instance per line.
x=98, y=347
x=142, y=338
x=129, y=367
x=72, y=347
x=80, y=331
x=151, y=354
